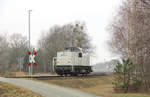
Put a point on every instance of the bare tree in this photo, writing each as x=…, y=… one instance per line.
x=12, y=49
x=18, y=47
x=60, y=37
x=131, y=34
x=4, y=53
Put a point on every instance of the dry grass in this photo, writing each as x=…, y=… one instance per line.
x=8, y=90
x=99, y=85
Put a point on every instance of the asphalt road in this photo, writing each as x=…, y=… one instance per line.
x=46, y=90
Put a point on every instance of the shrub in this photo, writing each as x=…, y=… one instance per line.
x=124, y=79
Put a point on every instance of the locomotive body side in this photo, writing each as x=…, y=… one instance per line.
x=72, y=62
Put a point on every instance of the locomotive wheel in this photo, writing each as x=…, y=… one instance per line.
x=73, y=74
x=85, y=74
x=65, y=75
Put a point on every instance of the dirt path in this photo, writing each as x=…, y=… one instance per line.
x=46, y=90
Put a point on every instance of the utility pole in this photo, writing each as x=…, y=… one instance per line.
x=30, y=67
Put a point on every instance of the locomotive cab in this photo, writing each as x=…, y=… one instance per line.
x=72, y=61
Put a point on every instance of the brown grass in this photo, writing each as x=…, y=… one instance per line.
x=101, y=85
x=8, y=90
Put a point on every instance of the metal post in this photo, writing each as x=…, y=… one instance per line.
x=73, y=41
x=30, y=68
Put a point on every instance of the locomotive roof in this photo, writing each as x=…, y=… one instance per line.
x=73, y=49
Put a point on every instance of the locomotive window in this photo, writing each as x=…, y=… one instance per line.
x=80, y=54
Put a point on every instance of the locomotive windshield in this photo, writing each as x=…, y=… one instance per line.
x=73, y=49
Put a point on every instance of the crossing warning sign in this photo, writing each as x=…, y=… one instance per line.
x=31, y=58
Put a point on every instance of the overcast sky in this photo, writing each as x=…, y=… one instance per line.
x=97, y=14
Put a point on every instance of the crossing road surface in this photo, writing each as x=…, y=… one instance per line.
x=45, y=89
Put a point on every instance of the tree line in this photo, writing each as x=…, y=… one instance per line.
x=13, y=48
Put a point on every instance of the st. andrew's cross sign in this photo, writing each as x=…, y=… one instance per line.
x=31, y=58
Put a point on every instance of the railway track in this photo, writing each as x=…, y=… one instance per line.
x=92, y=75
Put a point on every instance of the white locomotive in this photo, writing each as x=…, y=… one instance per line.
x=72, y=61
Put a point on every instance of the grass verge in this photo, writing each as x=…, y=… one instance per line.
x=8, y=90
x=97, y=85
